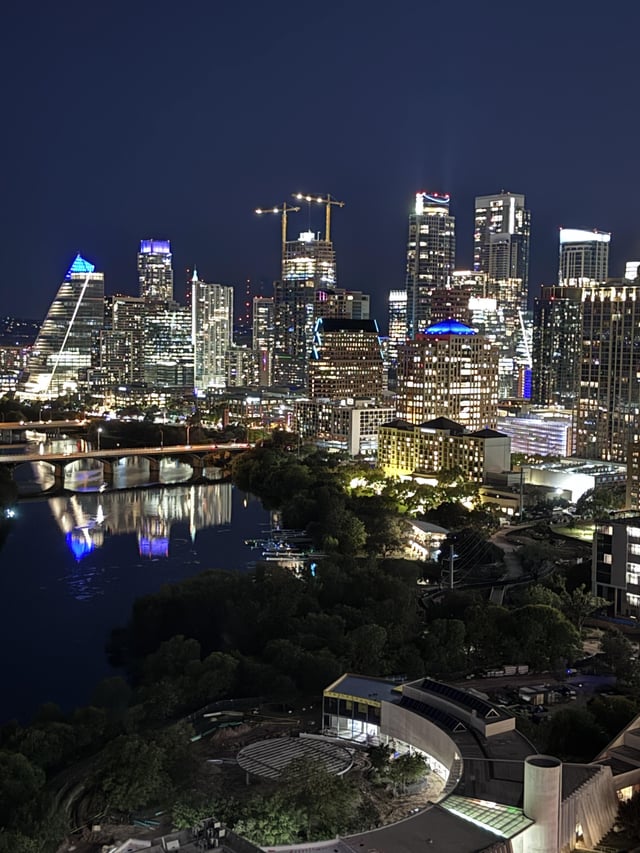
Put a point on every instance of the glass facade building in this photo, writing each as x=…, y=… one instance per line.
x=155, y=271
x=67, y=345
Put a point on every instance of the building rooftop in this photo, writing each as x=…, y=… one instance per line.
x=339, y=324
x=443, y=424
x=365, y=688
x=449, y=327
x=489, y=433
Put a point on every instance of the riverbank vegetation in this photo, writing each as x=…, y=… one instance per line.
x=278, y=636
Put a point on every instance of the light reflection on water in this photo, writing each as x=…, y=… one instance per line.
x=73, y=565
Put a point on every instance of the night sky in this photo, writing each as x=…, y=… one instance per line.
x=127, y=120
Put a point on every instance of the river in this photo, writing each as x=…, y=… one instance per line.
x=73, y=564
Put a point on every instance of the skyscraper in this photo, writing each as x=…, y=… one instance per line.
x=448, y=371
x=212, y=307
x=608, y=404
x=263, y=340
x=168, y=346
x=501, y=237
x=584, y=257
x=67, y=345
x=121, y=345
x=557, y=346
x=155, y=272
x=308, y=266
x=501, y=251
x=346, y=360
x=431, y=249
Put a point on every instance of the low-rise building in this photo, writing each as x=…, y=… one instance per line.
x=350, y=424
x=439, y=445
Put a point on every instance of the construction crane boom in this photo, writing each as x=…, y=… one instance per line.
x=329, y=201
x=284, y=209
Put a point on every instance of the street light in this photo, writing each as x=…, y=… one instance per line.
x=188, y=428
x=99, y=434
x=161, y=437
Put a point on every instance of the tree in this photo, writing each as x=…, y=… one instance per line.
x=546, y=636
x=612, y=713
x=20, y=784
x=271, y=820
x=574, y=735
x=131, y=773
x=328, y=802
x=580, y=604
x=618, y=654
x=406, y=770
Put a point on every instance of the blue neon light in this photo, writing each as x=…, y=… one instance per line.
x=450, y=327
x=155, y=247
x=80, y=265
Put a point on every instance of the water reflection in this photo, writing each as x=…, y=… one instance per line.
x=85, y=520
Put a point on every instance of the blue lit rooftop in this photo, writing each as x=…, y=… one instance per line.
x=449, y=327
x=155, y=247
x=80, y=265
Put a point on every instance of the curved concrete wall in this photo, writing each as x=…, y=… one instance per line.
x=406, y=725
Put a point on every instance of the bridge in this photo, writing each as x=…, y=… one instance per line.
x=10, y=428
x=193, y=454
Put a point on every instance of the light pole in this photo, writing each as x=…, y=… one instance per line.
x=188, y=428
x=160, y=430
x=99, y=434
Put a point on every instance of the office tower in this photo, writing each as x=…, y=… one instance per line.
x=168, y=349
x=155, y=273
x=501, y=237
x=67, y=345
x=346, y=360
x=121, y=350
x=212, y=318
x=448, y=371
x=431, y=252
x=263, y=340
x=608, y=404
x=557, y=346
x=584, y=257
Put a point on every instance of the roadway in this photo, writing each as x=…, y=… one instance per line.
x=118, y=453
x=40, y=426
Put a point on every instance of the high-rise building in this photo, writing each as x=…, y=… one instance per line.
x=449, y=371
x=501, y=251
x=308, y=266
x=121, y=349
x=584, y=257
x=431, y=252
x=501, y=237
x=263, y=340
x=155, y=272
x=168, y=346
x=346, y=360
x=557, y=346
x=309, y=259
x=68, y=341
x=608, y=403
x=212, y=319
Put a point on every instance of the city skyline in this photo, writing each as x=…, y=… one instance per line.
x=109, y=149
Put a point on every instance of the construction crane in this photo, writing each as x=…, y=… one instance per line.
x=284, y=209
x=329, y=200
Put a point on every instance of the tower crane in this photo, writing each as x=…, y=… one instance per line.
x=284, y=209
x=329, y=201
